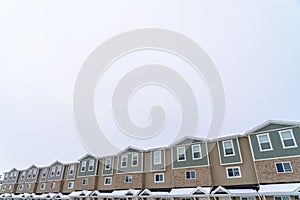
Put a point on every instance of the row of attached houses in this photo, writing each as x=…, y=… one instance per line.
x=263, y=163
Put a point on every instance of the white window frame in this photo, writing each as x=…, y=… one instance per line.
x=128, y=179
x=182, y=147
x=28, y=186
x=282, y=197
x=237, y=167
x=200, y=153
x=52, y=173
x=21, y=187
x=137, y=159
x=91, y=165
x=58, y=171
x=43, y=186
x=159, y=174
x=52, y=186
x=259, y=144
x=83, y=166
x=9, y=187
x=107, y=163
x=292, y=134
x=284, y=170
x=107, y=178
x=23, y=175
x=29, y=174
x=71, y=169
x=248, y=198
x=44, y=174
x=190, y=171
x=70, y=184
x=86, y=180
x=126, y=160
x=155, y=153
x=232, y=146
x=4, y=187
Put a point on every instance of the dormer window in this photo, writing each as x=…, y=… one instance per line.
x=196, y=151
x=107, y=163
x=52, y=171
x=264, y=142
x=71, y=170
x=58, y=172
x=124, y=161
x=157, y=157
x=83, y=166
x=29, y=174
x=180, y=153
x=91, y=165
x=34, y=173
x=23, y=176
x=44, y=173
x=228, y=148
x=134, y=160
x=287, y=139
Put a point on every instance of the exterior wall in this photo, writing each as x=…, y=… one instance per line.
x=32, y=189
x=203, y=177
x=150, y=170
x=88, y=159
x=219, y=173
x=267, y=171
x=130, y=168
x=236, y=158
x=69, y=177
x=92, y=183
x=66, y=189
x=107, y=173
x=58, y=186
x=56, y=176
x=138, y=180
x=9, y=188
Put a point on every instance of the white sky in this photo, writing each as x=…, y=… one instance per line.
x=254, y=45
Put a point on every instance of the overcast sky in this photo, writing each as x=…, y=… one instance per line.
x=254, y=45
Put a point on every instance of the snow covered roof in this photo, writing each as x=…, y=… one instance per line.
x=61, y=196
x=124, y=193
x=95, y=193
x=185, y=192
x=148, y=193
x=83, y=193
x=221, y=191
x=280, y=189
x=50, y=195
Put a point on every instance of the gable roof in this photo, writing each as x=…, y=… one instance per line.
x=129, y=149
x=189, y=140
x=269, y=122
x=32, y=166
x=56, y=162
x=86, y=156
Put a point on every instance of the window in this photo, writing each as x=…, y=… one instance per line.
x=287, y=139
x=43, y=186
x=9, y=187
x=15, y=176
x=191, y=174
x=157, y=157
x=128, y=179
x=21, y=187
x=107, y=164
x=4, y=187
x=282, y=198
x=85, y=181
x=52, y=185
x=247, y=198
x=107, y=181
x=70, y=184
x=83, y=166
x=283, y=167
x=180, y=153
x=44, y=173
x=196, y=151
x=58, y=172
x=11, y=175
x=52, y=171
x=71, y=170
x=264, y=142
x=159, y=178
x=23, y=176
x=28, y=186
x=233, y=172
x=124, y=161
x=228, y=148
x=29, y=174
x=91, y=165
x=134, y=161
x=34, y=173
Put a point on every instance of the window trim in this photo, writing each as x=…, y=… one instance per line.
x=269, y=139
x=28, y=186
x=91, y=165
x=181, y=147
x=105, y=163
x=72, y=183
x=107, y=178
x=200, y=152
x=44, y=186
x=232, y=146
x=86, y=180
x=53, y=185
x=137, y=159
x=293, y=137
x=192, y=170
x=52, y=171
x=158, y=174
x=126, y=157
x=157, y=163
x=71, y=170
x=130, y=178
x=283, y=167
x=240, y=172
x=58, y=171
x=282, y=196
x=83, y=166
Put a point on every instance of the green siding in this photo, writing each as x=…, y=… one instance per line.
x=230, y=159
x=130, y=168
x=189, y=162
x=278, y=150
x=108, y=171
x=158, y=166
x=272, y=127
x=87, y=172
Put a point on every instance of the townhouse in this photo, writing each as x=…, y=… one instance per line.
x=263, y=163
